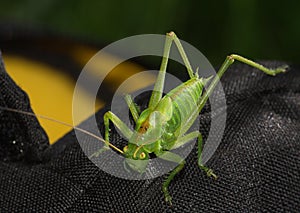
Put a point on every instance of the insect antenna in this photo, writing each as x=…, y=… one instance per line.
x=62, y=123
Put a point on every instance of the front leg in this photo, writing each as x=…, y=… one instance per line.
x=109, y=116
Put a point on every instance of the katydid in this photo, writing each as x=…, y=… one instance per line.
x=159, y=128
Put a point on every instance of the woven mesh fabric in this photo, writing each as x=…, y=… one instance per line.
x=21, y=136
x=258, y=161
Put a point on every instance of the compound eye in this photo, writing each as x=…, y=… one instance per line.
x=125, y=148
x=142, y=155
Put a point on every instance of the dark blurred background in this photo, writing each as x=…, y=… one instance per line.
x=257, y=29
x=59, y=37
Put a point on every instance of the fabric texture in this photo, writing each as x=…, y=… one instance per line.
x=257, y=162
x=21, y=135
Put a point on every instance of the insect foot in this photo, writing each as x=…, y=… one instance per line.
x=168, y=198
x=281, y=69
x=268, y=71
x=209, y=172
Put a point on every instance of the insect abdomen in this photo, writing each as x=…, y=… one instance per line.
x=184, y=100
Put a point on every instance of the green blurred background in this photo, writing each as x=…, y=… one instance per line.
x=256, y=29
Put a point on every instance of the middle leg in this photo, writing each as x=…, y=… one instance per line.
x=187, y=138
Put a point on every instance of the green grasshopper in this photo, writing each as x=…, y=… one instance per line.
x=159, y=129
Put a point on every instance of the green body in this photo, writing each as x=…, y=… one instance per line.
x=185, y=100
x=173, y=110
x=164, y=124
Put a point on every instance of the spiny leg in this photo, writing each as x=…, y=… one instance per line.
x=187, y=138
x=208, y=171
x=158, y=87
x=183, y=55
x=169, y=156
x=228, y=61
x=109, y=116
x=132, y=107
x=159, y=84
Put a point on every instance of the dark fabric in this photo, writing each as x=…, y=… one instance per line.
x=21, y=136
x=258, y=161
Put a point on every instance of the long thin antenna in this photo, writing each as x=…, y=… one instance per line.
x=63, y=123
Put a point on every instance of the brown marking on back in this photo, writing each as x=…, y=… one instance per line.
x=144, y=127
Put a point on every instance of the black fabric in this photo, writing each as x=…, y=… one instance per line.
x=258, y=161
x=21, y=135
